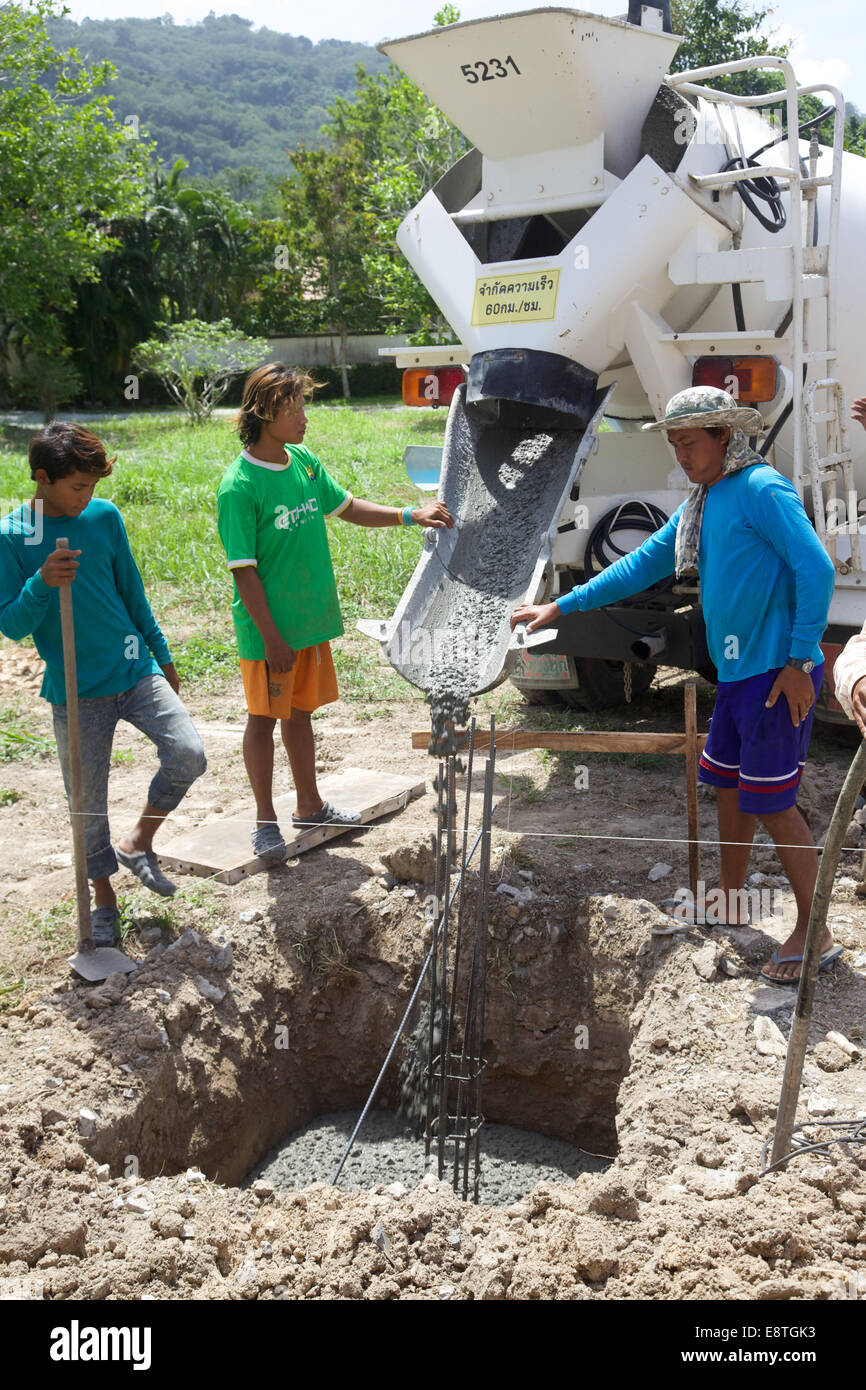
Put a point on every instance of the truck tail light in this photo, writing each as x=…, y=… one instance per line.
x=431, y=385
x=747, y=379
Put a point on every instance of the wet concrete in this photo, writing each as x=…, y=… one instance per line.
x=512, y=1160
x=504, y=487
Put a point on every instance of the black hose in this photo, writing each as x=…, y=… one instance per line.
x=766, y=190
x=629, y=516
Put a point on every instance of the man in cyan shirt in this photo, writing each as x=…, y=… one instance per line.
x=124, y=667
x=766, y=584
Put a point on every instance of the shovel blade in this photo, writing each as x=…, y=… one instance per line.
x=99, y=962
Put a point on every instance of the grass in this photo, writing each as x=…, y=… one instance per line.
x=17, y=741
x=165, y=480
x=52, y=930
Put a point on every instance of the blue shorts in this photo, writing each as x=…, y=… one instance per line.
x=755, y=749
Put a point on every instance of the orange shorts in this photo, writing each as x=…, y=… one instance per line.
x=312, y=682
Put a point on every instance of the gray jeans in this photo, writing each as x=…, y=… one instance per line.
x=152, y=707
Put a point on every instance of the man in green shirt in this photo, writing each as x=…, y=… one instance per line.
x=272, y=505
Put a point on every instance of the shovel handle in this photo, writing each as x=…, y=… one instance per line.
x=76, y=796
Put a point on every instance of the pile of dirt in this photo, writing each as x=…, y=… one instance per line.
x=106, y=1091
x=130, y=1112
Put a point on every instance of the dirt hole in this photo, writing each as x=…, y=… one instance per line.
x=309, y=1014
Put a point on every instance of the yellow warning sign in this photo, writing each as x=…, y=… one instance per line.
x=524, y=297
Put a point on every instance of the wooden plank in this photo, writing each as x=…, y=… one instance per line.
x=221, y=849
x=518, y=739
x=692, y=790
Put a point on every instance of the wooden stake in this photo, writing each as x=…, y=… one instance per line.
x=76, y=795
x=692, y=789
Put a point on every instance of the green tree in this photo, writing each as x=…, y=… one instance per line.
x=333, y=227
x=196, y=362
x=722, y=31
x=67, y=169
x=719, y=32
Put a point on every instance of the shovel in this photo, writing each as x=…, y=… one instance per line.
x=91, y=962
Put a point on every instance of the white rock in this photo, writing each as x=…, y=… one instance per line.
x=820, y=1105
x=769, y=1039
x=250, y=914
x=224, y=957
x=396, y=1189
x=446, y=1290
x=140, y=1202
x=163, y=996
x=839, y=1040
x=659, y=871
x=86, y=1124
x=195, y=1175
x=207, y=990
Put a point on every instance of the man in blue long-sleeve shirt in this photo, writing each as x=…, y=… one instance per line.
x=124, y=667
x=766, y=584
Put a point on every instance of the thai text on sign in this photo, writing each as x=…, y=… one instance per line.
x=522, y=297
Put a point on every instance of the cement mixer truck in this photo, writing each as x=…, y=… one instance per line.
x=616, y=233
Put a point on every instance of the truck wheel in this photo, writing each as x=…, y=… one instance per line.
x=538, y=695
x=601, y=684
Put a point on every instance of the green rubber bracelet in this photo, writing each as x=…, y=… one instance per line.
x=407, y=517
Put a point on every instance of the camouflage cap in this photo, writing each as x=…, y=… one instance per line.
x=699, y=407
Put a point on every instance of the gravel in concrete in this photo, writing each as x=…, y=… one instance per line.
x=512, y=1160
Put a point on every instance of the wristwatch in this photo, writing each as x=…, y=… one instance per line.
x=806, y=666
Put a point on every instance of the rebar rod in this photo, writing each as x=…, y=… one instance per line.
x=437, y=899
x=484, y=920
x=442, y=1126
x=397, y=1036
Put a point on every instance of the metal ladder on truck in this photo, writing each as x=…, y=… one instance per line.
x=822, y=456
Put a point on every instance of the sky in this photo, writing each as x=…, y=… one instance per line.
x=823, y=33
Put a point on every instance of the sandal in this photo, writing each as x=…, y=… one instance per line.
x=328, y=815
x=145, y=866
x=268, y=842
x=104, y=922
x=831, y=954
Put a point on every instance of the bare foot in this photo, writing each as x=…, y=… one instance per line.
x=787, y=972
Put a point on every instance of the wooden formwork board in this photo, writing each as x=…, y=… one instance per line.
x=221, y=848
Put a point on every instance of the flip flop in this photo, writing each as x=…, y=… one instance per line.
x=145, y=866
x=328, y=815
x=831, y=954
x=699, y=919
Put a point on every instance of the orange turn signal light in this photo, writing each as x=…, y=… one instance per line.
x=747, y=379
x=431, y=386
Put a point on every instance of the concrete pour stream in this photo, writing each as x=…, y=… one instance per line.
x=504, y=487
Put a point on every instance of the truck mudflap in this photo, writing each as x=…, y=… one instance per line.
x=505, y=484
x=827, y=707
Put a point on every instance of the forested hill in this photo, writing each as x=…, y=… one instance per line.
x=219, y=93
